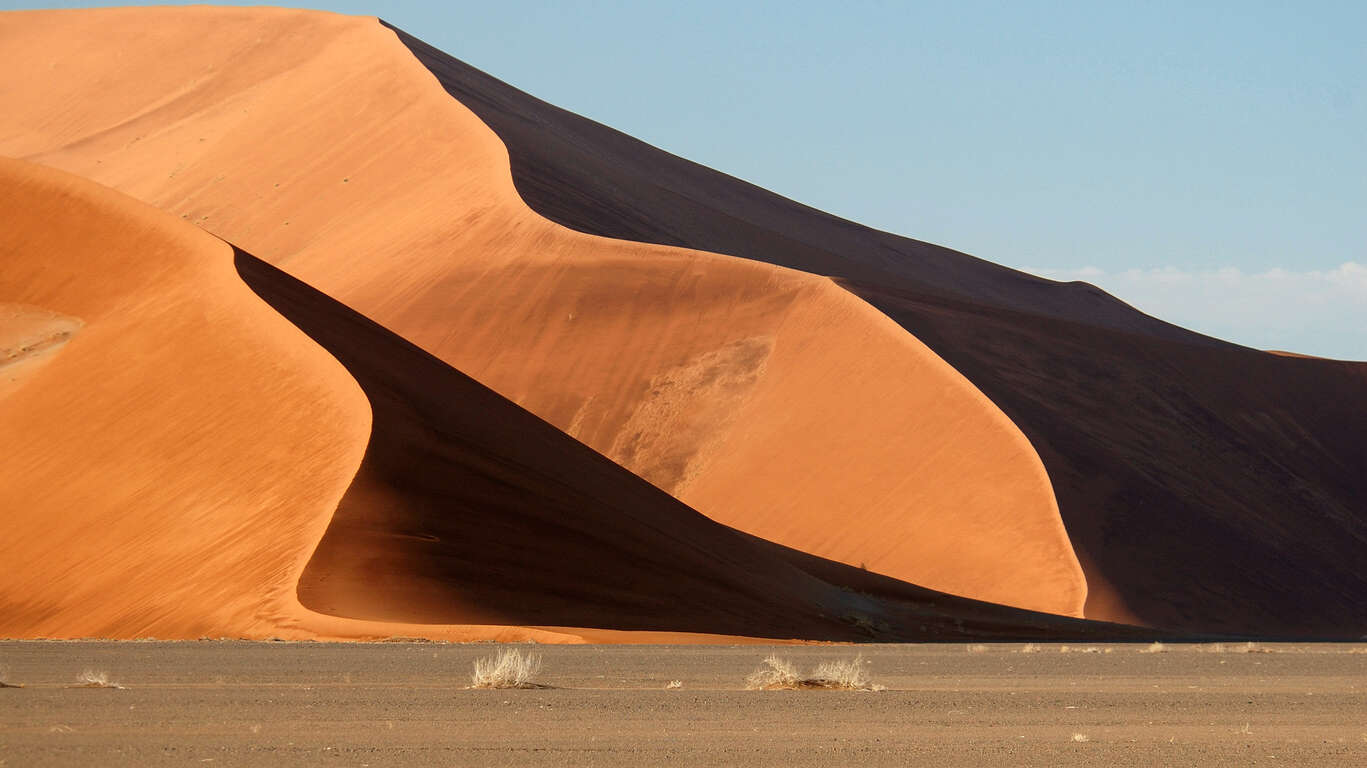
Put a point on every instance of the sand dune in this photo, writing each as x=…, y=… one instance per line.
x=1205, y=486
x=792, y=393
x=169, y=468
x=175, y=465
x=768, y=399
x=468, y=509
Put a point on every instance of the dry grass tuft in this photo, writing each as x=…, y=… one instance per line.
x=976, y=648
x=674, y=685
x=1156, y=647
x=774, y=674
x=777, y=674
x=95, y=679
x=1250, y=647
x=1030, y=648
x=1088, y=649
x=508, y=668
x=1081, y=737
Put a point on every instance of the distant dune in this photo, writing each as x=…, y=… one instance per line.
x=868, y=421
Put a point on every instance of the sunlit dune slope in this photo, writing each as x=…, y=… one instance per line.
x=469, y=510
x=1205, y=486
x=175, y=449
x=172, y=462
x=768, y=399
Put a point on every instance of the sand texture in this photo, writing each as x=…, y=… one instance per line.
x=768, y=399
x=172, y=462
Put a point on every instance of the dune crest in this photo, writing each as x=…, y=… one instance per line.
x=319, y=143
x=171, y=469
x=1205, y=486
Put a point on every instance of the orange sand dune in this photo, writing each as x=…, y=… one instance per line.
x=170, y=466
x=467, y=508
x=1205, y=486
x=766, y=398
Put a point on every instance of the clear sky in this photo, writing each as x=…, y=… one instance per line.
x=1206, y=162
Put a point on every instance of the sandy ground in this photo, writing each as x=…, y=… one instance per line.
x=405, y=704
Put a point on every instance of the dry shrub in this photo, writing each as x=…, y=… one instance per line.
x=774, y=674
x=1030, y=648
x=673, y=685
x=508, y=668
x=976, y=648
x=779, y=674
x=1081, y=737
x=4, y=678
x=1156, y=647
x=95, y=679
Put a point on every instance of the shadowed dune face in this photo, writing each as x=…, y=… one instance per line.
x=1230, y=484
x=468, y=509
x=174, y=458
x=770, y=400
x=1206, y=487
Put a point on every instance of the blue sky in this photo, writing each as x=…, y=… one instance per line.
x=1206, y=162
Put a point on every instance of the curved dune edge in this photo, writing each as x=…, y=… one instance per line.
x=170, y=470
x=467, y=506
x=170, y=474
x=769, y=399
x=1205, y=486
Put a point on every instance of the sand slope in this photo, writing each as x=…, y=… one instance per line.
x=768, y=399
x=172, y=462
x=1205, y=486
x=468, y=509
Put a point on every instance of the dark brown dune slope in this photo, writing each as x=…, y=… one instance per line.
x=592, y=178
x=1205, y=486
x=469, y=510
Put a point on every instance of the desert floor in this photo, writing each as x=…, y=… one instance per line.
x=241, y=703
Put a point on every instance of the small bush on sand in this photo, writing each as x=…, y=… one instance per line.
x=1081, y=737
x=1030, y=648
x=779, y=674
x=673, y=685
x=508, y=668
x=774, y=674
x=1156, y=647
x=93, y=679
